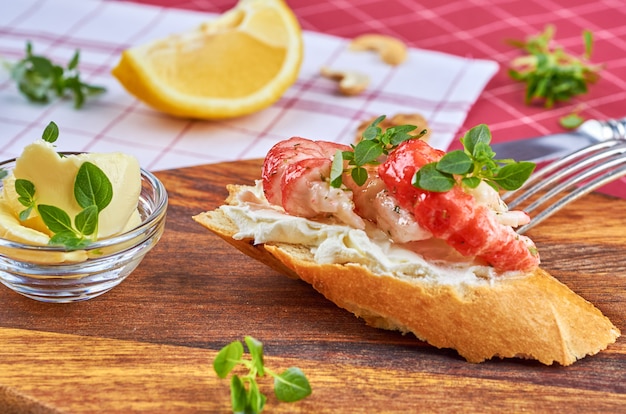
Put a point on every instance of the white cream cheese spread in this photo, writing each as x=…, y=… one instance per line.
x=338, y=243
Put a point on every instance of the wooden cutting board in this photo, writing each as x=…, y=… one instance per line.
x=148, y=345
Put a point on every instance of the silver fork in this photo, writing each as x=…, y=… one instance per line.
x=573, y=176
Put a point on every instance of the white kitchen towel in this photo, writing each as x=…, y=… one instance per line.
x=439, y=86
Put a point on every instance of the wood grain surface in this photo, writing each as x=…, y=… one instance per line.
x=148, y=345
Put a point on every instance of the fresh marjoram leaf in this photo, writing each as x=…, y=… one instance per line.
x=228, y=358
x=368, y=150
x=256, y=399
x=68, y=239
x=511, y=176
x=51, y=133
x=550, y=73
x=26, y=191
x=292, y=385
x=430, y=178
x=255, y=348
x=92, y=187
x=571, y=121
x=336, y=169
x=455, y=162
x=87, y=221
x=57, y=220
x=474, y=164
x=238, y=395
x=39, y=79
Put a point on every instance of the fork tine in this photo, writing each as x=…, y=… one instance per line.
x=580, y=170
x=576, y=194
x=561, y=168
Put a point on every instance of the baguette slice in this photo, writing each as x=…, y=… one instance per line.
x=531, y=316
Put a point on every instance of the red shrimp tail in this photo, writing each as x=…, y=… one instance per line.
x=454, y=216
x=284, y=154
x=400, y=166
x=296, y=183
x=514, y=252
x=445, y=214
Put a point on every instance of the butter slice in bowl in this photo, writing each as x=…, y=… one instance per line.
x=35, y=264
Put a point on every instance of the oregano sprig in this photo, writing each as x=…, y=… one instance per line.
x=472, y=165
x=550, y=73
x=93, y=192
x=571, y=121
x=39, y=79
x=374, y=143
x=246, y=397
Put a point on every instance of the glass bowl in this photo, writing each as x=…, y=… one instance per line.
x=103, y=265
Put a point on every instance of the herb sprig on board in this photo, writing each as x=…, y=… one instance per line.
x=39, y=79
x=246, y=397
x=375, y=143
x=550, y=73
x=472, y=165
x=93, y=193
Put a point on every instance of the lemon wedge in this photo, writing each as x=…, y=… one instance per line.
x=238, y=64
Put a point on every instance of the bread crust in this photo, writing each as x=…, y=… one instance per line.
x=532, y=316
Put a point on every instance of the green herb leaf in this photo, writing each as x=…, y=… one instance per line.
x=471, y=182
x=551, y=74
x=92, y=187
x=86, y=221
x=455, y=162
x=238, y=395
x=374, y=144
x=571, y=121
x=474, y=137
x=256, y=399
x=588, y=40
x=359, y=175
x=483, y=152
x=373, y=130
x=474, y=164
x=228, y=358
x=25, y=189
x=336, y=169
x=55, y=219
x=256, y=351
x=400, y=133
x=68, y=239
x=39, y=79
x=366, y=152
x=51, y=133
x=429, y=178
x=25, y=214
x=512, y=176
x=73, y=63
x=292, y=385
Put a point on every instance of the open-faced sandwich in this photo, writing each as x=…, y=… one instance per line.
x=412, y=239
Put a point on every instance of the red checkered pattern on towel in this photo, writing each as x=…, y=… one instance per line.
x=480, y=29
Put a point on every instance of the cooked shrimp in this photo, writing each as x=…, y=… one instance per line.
x=295, y=176
x=475, y=223
x=455, y=216
x=374, y=203
x=486, y=195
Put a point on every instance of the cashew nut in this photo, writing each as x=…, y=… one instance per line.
x=391, y=50
x=350, y=82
